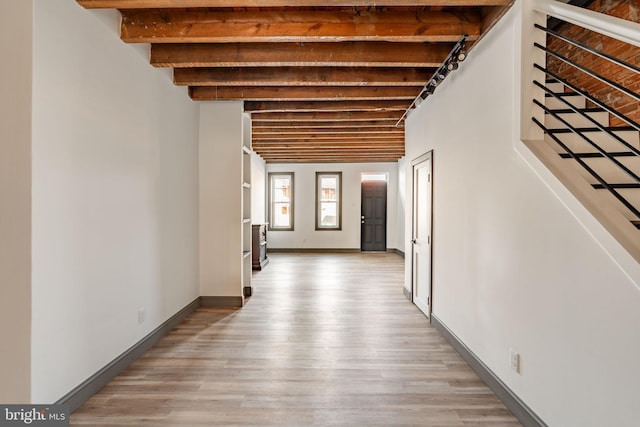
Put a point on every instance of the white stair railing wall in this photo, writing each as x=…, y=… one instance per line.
x=616, y=235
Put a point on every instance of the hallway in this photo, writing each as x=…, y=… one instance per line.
x=327, y=339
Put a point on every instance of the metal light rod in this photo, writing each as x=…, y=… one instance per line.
x=434, y=81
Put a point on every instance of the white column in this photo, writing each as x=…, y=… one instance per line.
x=220, y=173
x=16, y=36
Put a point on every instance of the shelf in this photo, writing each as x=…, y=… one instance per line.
x=246, y=185
x=246, y=220
x=246, y=254
x=246, y=150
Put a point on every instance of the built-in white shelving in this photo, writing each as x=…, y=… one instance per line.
x=246, y=206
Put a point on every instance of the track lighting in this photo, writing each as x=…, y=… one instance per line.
x=457, y=54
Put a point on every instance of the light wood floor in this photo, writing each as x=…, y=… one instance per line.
x=325, y=340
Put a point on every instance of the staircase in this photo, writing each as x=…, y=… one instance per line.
x=597, y=163
x=579, y=75
x=606, y=157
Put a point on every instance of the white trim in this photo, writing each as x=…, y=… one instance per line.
x=271, y=177
x=319, y=201
x=374, y=176
x=620, y=29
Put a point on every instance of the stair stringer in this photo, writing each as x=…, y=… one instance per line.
x=594, y=210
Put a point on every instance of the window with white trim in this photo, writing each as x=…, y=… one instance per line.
x=328, y=200
x=281, y=201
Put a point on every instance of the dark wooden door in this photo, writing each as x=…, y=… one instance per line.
x=373, y=235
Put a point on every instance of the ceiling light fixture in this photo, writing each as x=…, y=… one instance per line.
x=451, y=63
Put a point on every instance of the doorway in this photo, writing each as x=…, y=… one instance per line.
x=373, y=219
x=421, y=235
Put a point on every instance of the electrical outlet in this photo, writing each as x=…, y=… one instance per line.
x=141, y=315
x=514, y=360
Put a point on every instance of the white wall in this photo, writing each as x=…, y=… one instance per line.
x=15, y=201
x=402, y=203
x=512, y=268
x=305, y=235
x=258, y=189
x=221, y=136
x=115, y=196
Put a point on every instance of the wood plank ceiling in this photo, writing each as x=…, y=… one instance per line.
x=324, y=81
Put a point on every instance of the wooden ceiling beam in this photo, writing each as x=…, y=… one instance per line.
x=336, y=155
x=302, y=76
x=316, y=106
x=310, y=139
x=294, y=153
x=346, y=54
x=328, y=136
x=333, y=116
x=327, y=130
x=335, y=159
x=292, y=25
x=399, y=142
x=144, y=4
x=261, y=126
x=308, y=153
x=329, y=148
x=296, y=93
x=334, y=152
x=328, y=156
x=333, y=141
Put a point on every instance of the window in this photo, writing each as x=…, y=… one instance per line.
x=374, y=177
x=328, y=200
x=281, y=201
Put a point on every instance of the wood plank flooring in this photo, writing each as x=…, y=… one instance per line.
x=326, y=340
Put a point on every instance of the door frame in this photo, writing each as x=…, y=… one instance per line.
x=386, y=214
x=420, y=159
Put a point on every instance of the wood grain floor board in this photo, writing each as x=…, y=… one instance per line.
x=326, y=340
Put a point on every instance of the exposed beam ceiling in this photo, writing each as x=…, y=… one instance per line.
x=153, y=4
x=205, y=26
x=298, y=76
x=324, y=81
x=344, y=54
x=307, y=93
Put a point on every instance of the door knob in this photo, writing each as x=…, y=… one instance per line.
x=414, y=241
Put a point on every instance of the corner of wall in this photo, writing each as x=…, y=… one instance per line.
x=16, y=38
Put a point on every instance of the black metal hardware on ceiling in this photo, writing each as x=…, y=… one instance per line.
x=451, y=63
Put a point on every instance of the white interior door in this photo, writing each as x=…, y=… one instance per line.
x=421, y=238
